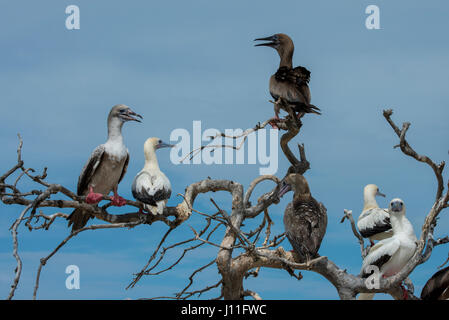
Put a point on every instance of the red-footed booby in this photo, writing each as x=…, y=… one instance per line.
x=437, y=287
x=305, y=219
x=373, y=222
x=106, y=166
x=288, y=83
x=151, y=186
x=391, y=254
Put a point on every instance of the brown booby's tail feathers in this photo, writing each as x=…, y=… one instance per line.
x=314, y=109
x=78, y=219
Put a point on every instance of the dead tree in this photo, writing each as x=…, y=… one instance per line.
x=241, y=253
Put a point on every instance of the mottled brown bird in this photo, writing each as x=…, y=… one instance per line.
x=288, y=83
x=437, y=288
x=305, y=219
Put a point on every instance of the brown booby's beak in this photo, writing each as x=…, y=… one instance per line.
x=273, y=41
x=284, y=188
x=129, y=115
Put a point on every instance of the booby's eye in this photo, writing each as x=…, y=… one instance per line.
x=160, y=141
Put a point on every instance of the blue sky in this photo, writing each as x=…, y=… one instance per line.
x=179, y=61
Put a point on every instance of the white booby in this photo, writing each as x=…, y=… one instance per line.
x=288, y=83
x=373, y=222
x=151, y=186
x=437, y=287
x=391, y=254
x=106, y=166
x=305, y=219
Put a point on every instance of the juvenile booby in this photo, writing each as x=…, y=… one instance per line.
x=437, y=287
x=391, y=254
x=305, y=219
x=288, y=83
x=106, y=166
x=373, y=222
x=151, y=186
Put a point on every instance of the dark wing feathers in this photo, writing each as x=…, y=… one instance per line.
x=144, y=196
x=379, y=263
x=379, y=227
x=302, y=75
x=89, y=169
x=125, y=167
x=299, y=77
x=436, y=285
x=305, y=225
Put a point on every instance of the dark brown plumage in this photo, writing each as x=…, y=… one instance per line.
x=288, y=83
x=305, y=219
x=437, y=288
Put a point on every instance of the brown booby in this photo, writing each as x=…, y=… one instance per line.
x=373, y=222
x=391, y=254
x=106, y=166
x=151, y=186
x=437, y=287
x=288, y=83
x=305, y=219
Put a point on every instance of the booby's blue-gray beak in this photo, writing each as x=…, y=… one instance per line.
x=378, y=193
x=396, y=205
x=162, y=144
x=273, y=41
x=129, y=115
x=284, y=188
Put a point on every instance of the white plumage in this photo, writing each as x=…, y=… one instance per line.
x=151, y=186
x=373, y=222
x=392, y=254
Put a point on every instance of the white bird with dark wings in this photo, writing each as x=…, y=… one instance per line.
x=106, y=166
x=151, y=186
x=392, y=254
x=373, y=222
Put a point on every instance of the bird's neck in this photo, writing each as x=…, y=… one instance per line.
x=369, y=202
x=115, y=130
x=299, y=196
x=400, y=224
x=286, y=56
x=151, y=162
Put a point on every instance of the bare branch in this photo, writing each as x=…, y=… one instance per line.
x=43, y=261
x=348, y=215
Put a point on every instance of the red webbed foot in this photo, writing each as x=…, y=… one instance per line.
x=118, y=201
x=404, y=292
x=92, y=197
x=273, y=123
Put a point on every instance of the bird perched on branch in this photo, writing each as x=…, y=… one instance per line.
x=151, y=186
x=391, y=254
x=373, y=222
x=305, y=219
x=106, y=166
x=437, y=287
x=289, y=84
